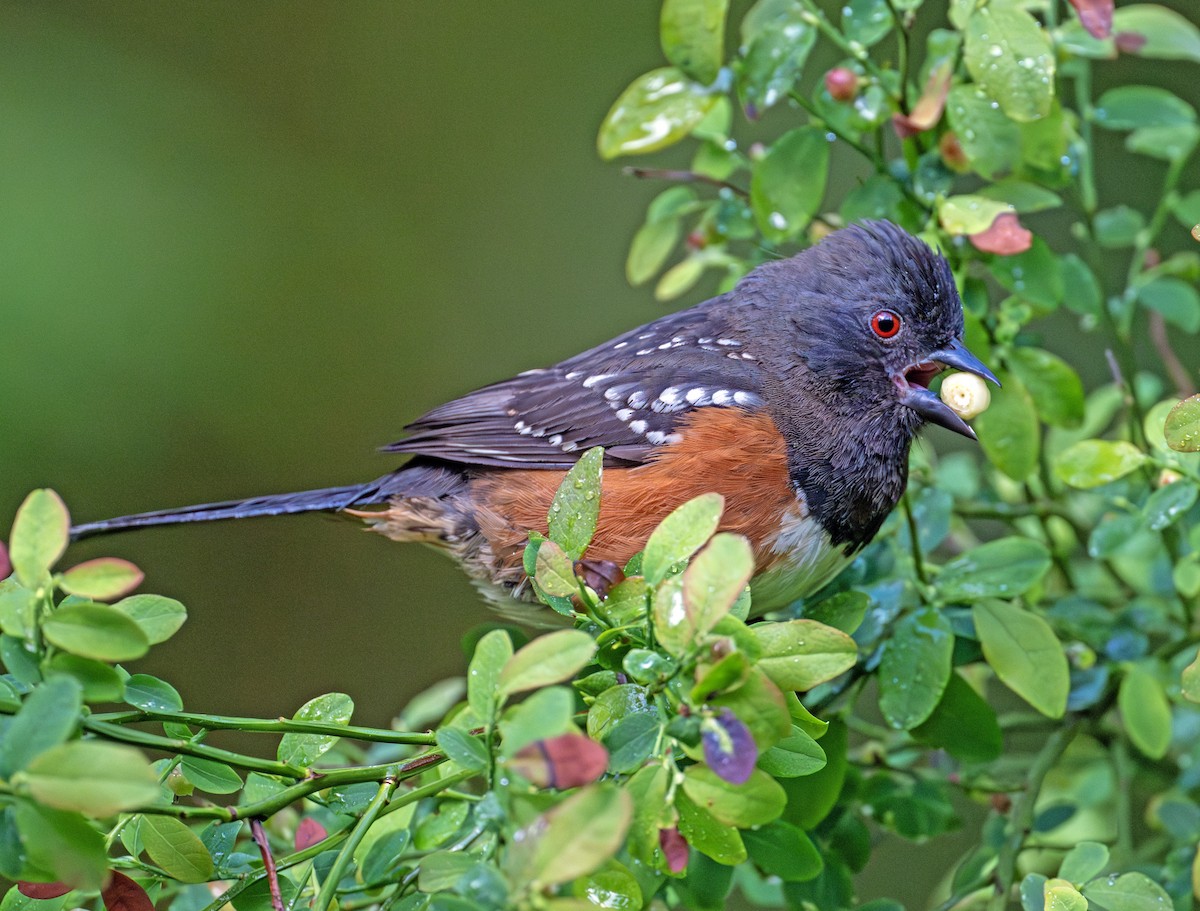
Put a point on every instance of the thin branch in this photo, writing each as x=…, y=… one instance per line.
x=1162, y=344
x=264, y=848
x=680, y=176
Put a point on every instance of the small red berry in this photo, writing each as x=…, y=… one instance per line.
x=841, y=83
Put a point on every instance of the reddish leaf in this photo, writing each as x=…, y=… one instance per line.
x=1096, y=16
x=599, y=575
x=1005, y=236
x=1130, y=42
x=42, y=890
x=928, y=109
x=675, y=849
x=308, y=833
x=562, y=762
x=123, y=894
x=5, y=563
x=729, y=747
x=952, y=152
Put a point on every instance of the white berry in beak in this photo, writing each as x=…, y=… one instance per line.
x=966, y=394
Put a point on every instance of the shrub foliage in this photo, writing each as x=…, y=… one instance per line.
x=1022, y=635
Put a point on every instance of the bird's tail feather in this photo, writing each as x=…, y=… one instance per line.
x=328, y=498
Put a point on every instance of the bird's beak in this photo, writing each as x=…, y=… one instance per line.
x=916, y=394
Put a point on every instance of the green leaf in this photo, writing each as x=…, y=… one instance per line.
x=65, y=844
x=658, y=109
x=693, y=36
x=576, y=505
x=1009, y=56
x=1145, y=712
x=1167, y=34
x=760, y=706
x=1173, y=143
x=1128, y=107
x=866, y=21
x=845, y=611
x=783, y=850
x=48, y=717
x=1085, y=296
x=555, y=573
x=1023, y=196
x=210, y=776
x=573, y=838
x=1054, y=386
x=963, y=724
x=915, y=668
x=1060, y=895
x=1168, y=503
x=795, y=756
x=1025, y=654
x=1083, y=862
x=1034, y=276
x=651, y=246
x=152, y=694
x=706, y=834
x=970, y=214
x=18, y=609
x=630, y=742
x=1190, y=680
x=160, y=618
x=303, y=750
x=777, y=37
x=101, y=579
x=1118, y=227
x=546, y=660
x=1176, y=300
x=679, y=278
x=1008, y=430
x=715, y=579
x=176, y=849
x=492, y=652
x=90, y=777
x=1129, y=892
x=614, y=704
x=1094, y=463
x=95, y=631
x=1182, y=427
x=800, y=654
x=39, y=536
x=1002, y=568
x=680, y=535
x=756, y=802
x=991, y=142
x=460, y=747
x=101, y=682
x=544, y=714
x=788, y=183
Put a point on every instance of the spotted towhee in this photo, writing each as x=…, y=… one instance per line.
x=796, y=396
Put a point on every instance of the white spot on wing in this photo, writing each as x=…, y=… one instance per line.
x=671, y=395
x=637, y=399
x=637, y=426
x=722, y=397
x=596, y=380
x=554, y=439
x=624, y=414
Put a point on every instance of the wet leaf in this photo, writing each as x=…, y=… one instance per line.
x=991, y=142
x=683, y=532
x=1002, y=568
x=1083, y=862
x=152, y=694
x=715, y=579
x=1182, y=427
x=159, y=618
x=777, y=38
x=1145, y=712
x=707, y=834
x=1165, y=34
x=573, y=838
x=304, y=749
x=492, y=652
x=755, y=802
x=799, y=654
x=693, y=36
x=1128, y=892
x=460, y=747
x=795, y=756
x=1009, y=56
x=576, y=505
x=1005, y=237
x=1130, y=107
x=1060, y=895
x=1169, y=503
x=39, y=536
x=970, y=214
x=1025, y=654
x=210, y=776
x=658, y=109
x=915, y=668
x=176, y=849
x=1094, y=463
x=788, y=183
x=866, y=21
x=1008, y=430
x=555, y=572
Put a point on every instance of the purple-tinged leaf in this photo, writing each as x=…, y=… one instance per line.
x=729, y=747
x=675, y=849
x=566, y=761
x=5, y=563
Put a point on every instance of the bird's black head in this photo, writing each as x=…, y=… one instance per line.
x=872, y=315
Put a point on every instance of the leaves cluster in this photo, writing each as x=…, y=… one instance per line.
x=1022, y=635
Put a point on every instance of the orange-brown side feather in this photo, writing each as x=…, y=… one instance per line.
x=737, y=454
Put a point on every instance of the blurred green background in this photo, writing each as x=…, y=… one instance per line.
x=242, y=244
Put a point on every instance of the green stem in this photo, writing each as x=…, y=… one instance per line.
x=851, y=48
x=1021, y=820
x=187, y=748
x=1124, y=809
x=268, y=725
x=334, y=876
x=914, y=540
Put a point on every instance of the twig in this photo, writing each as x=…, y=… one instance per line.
x=334, y=876
x=1175, y=369
x=264, y=848
x=680, y=176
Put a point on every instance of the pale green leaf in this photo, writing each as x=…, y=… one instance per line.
x=1145, y=712
x=176, y=849
x=658, y=109
x=1009, y=56
x=915, y=668
x=546, y=660
x=1093, y=463
x=304, y=749
x=1025, y=654
x=680, y=535
x=39, y=536
x=91, y=777
x=576, y=505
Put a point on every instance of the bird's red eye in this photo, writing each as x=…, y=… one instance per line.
x=885, y=323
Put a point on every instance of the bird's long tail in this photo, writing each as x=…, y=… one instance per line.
x=424, y=481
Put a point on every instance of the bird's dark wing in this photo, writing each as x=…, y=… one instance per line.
x=626, y=395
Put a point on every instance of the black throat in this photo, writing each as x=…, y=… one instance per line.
x=850, y=465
